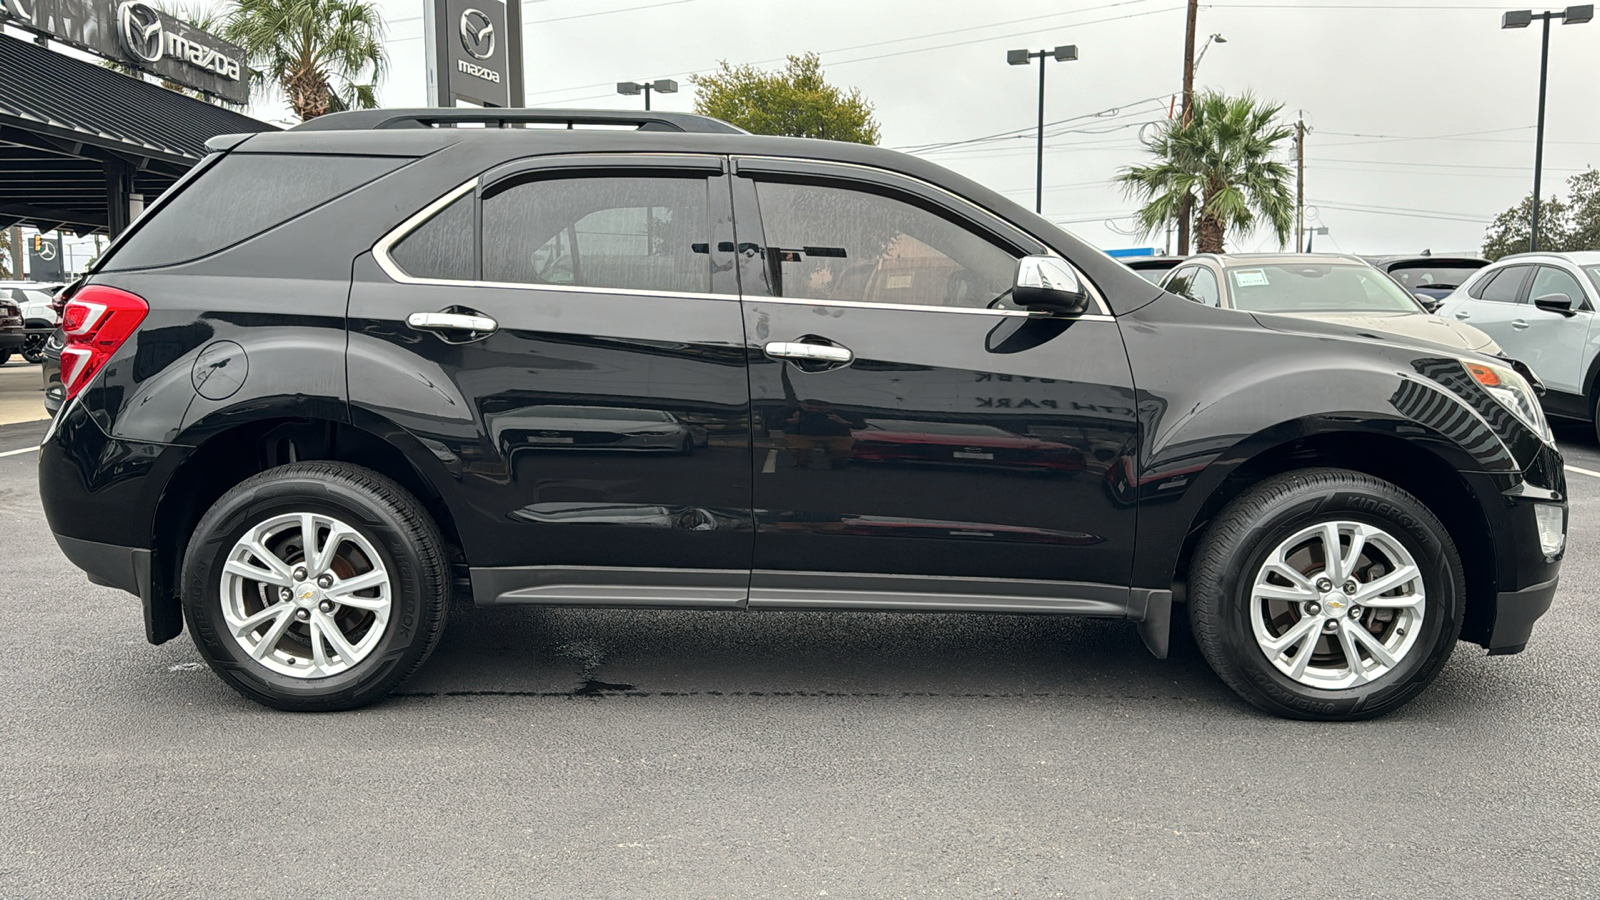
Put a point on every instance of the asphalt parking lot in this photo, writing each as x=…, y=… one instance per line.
x=778, y=755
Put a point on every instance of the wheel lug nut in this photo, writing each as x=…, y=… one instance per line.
x=285, y=594
x=1355, y=612
x=324, y=581
x=1330, y=625
x=303, y=614
x=326, y=606
x=1324, y=585
x=1313, y=608
x=300, y=573
x=1350, y=587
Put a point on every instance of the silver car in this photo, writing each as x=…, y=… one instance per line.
x=1325, y=286
x=1541, y=307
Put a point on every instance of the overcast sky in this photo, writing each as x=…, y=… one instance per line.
x=1423, y=110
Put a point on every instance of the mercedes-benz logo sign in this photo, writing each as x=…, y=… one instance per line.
x=47, y=251
x=139, y=25
x=477, y=34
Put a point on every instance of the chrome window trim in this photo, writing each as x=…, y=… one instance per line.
x=984, y=212
x=380, y=253
x=965, y=310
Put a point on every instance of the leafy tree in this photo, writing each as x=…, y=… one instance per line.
x=9, y=257
x=325, y=55
x=1564, y=225
x=1225, y=158
x=797, y=101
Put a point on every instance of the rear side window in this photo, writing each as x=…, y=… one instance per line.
x=442, y=247
x=241, y=196
x=626, y=232
x=1503, y=286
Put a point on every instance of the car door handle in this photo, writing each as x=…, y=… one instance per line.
x=805, y=352
x=1519, y=324
x=444, y=321
x=1463, y=315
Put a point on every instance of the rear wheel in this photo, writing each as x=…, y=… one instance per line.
x=5, y=357
x=315, y=586
x=33, y=348
x=1326, y=594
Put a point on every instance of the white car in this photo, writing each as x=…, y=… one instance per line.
x=1540, y=308
x=39, y=318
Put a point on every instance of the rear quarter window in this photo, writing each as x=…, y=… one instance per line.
x=241, y=196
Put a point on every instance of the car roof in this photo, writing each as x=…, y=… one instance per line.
x=1232, y=260
x=1151, y=262
x=1579, y=257
x=1417, y=260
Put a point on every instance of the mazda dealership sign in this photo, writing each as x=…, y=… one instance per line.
x=139, y=34
x=474, y=53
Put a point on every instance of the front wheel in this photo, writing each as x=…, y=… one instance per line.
x=1326, y=594
x=315, y=586
x=33, y=348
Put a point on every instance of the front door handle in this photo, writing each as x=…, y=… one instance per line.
x=1463, y=315
x=452, y=322
x=1519, y=324
x=804, y=352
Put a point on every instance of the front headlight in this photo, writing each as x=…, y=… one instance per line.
x=1513, y=392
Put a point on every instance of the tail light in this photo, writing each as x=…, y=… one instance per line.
x=96, y=321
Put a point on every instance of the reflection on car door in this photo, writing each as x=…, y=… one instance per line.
x=917, y=436
x=604, y=423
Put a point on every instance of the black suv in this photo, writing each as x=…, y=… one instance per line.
x=342, y=373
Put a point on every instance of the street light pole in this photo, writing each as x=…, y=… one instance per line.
x=1063, y=53
x=634, y=88
x=1572, y=15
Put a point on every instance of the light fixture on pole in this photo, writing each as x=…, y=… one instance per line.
x=635, y=88
x=1214, y=39
x=1572, y=15
x=1064, y=53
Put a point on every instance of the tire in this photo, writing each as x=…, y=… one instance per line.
x=33, y=349
x=5, y=357
x=389, y=627
x=1415, y=622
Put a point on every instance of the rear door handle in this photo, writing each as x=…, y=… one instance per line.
x=1463, y=315
x=1519, y=324
x=443, y=321
x=804, y=352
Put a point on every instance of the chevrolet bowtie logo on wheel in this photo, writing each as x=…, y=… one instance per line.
x=140, y=28
x=477, y=34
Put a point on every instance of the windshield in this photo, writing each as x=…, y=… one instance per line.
x=1317, y=287
x=1440, y=275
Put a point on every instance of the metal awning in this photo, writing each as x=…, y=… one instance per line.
x=77, y=140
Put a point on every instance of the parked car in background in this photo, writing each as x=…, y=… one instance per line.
x=1540, y=307
x=11, y=330
x=1429, y=278
x=39, y=314
x=1328, y=287
x=1153, y=268
x=301, y=464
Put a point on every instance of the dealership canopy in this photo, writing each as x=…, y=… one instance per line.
x=83, y=146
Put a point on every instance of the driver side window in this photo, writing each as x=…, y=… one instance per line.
x=831, y=243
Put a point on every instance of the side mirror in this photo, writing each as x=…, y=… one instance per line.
x=1556, y=303
x=1049, y=283
x=1431, y=304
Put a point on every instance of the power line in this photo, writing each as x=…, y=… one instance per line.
x=1404, y=211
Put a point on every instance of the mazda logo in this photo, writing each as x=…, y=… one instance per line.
x=139, y=25
x=477, y=34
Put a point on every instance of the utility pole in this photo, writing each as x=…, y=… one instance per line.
x=1186, y=208
x=1299, y=184
x=1063, y=53
x=1572, y=15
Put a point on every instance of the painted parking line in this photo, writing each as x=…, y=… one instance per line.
x=1589, y=472
x=31, y=449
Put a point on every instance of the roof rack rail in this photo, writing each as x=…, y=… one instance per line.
x=372, y=119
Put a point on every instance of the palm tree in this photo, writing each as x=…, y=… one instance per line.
x=1224, y=159
x=325, y=55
